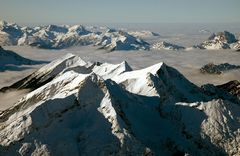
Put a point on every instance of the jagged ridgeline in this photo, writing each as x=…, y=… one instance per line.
x=220, y=40
x=91, y=108
x=65, y=36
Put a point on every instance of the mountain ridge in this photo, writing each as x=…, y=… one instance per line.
x=114, y=110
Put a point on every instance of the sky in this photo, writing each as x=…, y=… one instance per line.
x=120, y=11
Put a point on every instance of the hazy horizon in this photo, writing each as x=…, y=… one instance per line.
x=107, y=11
x=163, y=28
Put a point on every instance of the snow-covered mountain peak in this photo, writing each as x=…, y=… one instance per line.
x=144, y=34
x=5, y=26
x=79, y=29
x=62, y=63
x=135, y=81
x=224, y=36
x=166, y=46
x=113, y=110
x=220, y=40
x=48, y=72
x=120, y=40
x=109, y=71
x=56, y=28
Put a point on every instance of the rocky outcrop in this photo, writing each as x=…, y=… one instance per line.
x=211, y=68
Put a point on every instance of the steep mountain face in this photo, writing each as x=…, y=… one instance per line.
x=106, y=109
x=221, y=40
x=9, y=58
x=228, y=91
x=166, y=46
x=233, y=87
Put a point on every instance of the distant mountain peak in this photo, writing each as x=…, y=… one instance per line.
x=167, y=46
x=220, y=40
x=59, y=37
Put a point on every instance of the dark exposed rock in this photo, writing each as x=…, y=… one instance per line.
x=9, y=59
x=233, y=87
x=226, y=37
x=211, y=68
x=229, y=91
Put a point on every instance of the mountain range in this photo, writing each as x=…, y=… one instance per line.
x=65, y=36
x=59, y=37
x=91, y=108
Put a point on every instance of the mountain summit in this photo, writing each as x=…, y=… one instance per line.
x=221, y=40
x=92, y=108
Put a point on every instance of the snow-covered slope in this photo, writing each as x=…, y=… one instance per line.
x=59, y=37
x=221, y=40
x=120, y=40
x=55, y=37
x=112, y=110
x=50, y=71
x=9, y=58
x=110, y=71
x=166, y=46
x=9, y=33
x=143, y=34
x=65, y=36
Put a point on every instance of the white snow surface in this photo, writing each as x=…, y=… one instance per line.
x=114, y=110
x=120, y=40
x=143, y=34
x=65, y=36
